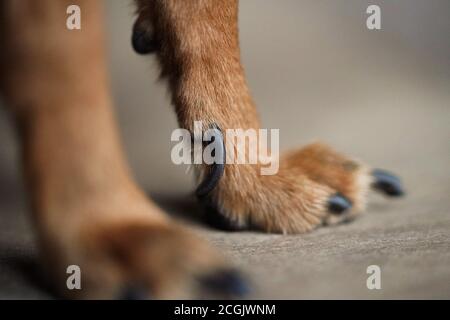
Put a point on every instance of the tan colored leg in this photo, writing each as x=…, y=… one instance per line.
x=88, y=210
x=198, y=48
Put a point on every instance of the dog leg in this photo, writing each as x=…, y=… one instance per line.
x=197, y=45
x=87, y=208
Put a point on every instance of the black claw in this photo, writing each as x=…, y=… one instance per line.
x=216, y=169
x=387, y=183
x=133, y=293
x=337, y=204
x=215, y=219
x=226, y=282
x=142, y=44
x=142, y=41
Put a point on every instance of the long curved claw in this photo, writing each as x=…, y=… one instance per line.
x=216, y=170
x=387, y=183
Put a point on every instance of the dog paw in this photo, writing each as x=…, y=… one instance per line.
x=351, y=179
x=142, y=260
x=314, y=186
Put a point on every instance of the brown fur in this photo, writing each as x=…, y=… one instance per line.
x=200, y=56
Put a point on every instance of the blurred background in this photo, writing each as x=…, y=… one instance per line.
x=316, y=73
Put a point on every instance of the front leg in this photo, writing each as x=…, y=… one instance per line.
x=198, y=48
x=87, y=208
